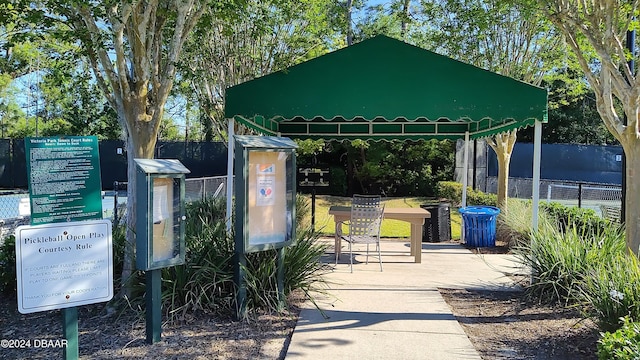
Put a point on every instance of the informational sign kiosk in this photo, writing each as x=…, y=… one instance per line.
x=160, y=195
x=159, y=229
x=64, y=179
x=265, y=180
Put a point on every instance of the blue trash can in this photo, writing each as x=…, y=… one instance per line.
x=479, y=225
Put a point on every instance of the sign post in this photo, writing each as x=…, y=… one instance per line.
x=313, y=177
x=70, y=332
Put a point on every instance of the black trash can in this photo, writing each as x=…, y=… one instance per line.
x=438, y=227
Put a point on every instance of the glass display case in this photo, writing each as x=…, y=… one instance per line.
x=265, y=192
x=160, y=213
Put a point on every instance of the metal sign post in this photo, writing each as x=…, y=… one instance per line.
x=313, y=177
x=70, y=332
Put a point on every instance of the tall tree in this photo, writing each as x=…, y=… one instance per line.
x=349, y=11
x=14, y=63
x=573, y=117
x=133, y=48
x=405, y=18
x=391, y=19
x=596, y=32
x=506, y=37
x=266, y=36
x=71, y=96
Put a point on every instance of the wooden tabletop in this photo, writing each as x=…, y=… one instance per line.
x=389, y=212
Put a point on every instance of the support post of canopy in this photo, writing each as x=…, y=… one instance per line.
x=537, y=140
x=230, y=134
x=465, y=180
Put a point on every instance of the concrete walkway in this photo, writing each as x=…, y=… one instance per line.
x=397, y=313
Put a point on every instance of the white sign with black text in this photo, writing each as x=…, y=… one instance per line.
x=62, y=265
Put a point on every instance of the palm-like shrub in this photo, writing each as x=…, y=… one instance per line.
x=303, y=269
x=205, y=281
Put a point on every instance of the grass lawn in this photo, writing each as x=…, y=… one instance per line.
x=390, y=228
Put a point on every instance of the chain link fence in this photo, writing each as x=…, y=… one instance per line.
x=15, y=204
x=194, y=189
x=15, y=208
x=202, y=188
x=604, y=199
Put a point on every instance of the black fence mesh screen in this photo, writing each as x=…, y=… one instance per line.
x=202, y=158
x=569, y=162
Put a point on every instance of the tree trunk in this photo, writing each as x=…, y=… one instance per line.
x=502, y=144
x=133, y=48
x=604, y=25
x=632, y=200
x=140, y=143
x=405, y=19
x=349, y=28
x=504, y=161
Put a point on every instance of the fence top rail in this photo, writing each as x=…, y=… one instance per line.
x=585, y=186
x=13, y=192
x=559, y=181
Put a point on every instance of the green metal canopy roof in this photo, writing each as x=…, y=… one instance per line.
x=383, y=88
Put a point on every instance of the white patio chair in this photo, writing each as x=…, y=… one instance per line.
x=365, y=200
x=364, y=228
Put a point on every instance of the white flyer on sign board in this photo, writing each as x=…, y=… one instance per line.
x=266, y=190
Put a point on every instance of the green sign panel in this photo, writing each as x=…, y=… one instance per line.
x=64, y=179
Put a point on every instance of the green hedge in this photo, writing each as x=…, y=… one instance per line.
x=623, y=344
x=452, y=191
x=583, y=219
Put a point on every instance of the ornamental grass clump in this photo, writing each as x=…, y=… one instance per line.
x=611, y=291
x=303, y=268
x=560, y=261
x=514, y=225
